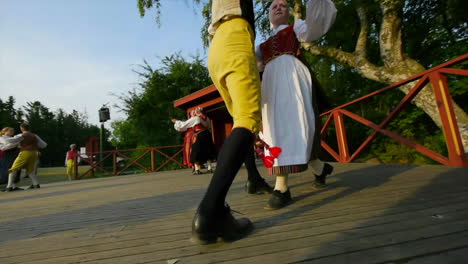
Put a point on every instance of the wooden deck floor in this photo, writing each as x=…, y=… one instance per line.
x=368, y=214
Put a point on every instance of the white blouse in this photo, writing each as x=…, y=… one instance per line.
x=7, y=143
x=182, y=126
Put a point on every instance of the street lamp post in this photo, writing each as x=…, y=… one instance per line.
x=104, y=115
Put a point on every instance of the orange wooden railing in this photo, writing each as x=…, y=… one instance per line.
x=437, y=77
x=124, y=155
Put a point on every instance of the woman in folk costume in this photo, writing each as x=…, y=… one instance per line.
x=202, y=147
x=289, y=103
x=188, y=144
x=71, y=158
x=9, y=147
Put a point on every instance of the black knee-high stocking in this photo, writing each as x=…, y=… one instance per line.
x=231, y=156
x=252, y=171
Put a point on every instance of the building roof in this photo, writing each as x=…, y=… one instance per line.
x=205, y=97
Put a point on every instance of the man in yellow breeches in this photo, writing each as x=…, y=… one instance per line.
x=26, y=159
x=232, y=66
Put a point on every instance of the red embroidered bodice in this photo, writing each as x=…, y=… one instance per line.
x=72, y=154
x=200, y=126
x=284, y=42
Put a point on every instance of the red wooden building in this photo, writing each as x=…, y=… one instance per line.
x=210, y=99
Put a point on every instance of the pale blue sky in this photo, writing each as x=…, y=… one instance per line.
x=73, y=54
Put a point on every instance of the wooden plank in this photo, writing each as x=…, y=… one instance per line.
x=147, y=218
x=455, y=256
x=453, y=236
x=118, y=239
x=315, y=213
x=269, y=239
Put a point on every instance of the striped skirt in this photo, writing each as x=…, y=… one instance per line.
x=288, y=169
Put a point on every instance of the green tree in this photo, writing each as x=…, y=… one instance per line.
x=380, y=40
x=149, y=106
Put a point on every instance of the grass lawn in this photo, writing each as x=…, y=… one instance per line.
x=58, y=174
x=50, y=175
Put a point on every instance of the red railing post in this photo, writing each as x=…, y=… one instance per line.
x=114, y=163
x=341, y=136
x=153, y=160
x=92, y=165
x=443, y=99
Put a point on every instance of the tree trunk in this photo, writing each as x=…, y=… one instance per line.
x=397, y=65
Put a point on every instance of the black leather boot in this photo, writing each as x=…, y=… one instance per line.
x=204, y=230
x=320, y=180
x=279, y=200
x=258, y=187
x=207, y=229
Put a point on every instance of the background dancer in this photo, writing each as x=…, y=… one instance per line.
x=27, y=158
x=71, y=157
x=201, y=148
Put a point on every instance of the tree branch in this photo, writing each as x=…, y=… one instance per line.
x=334, y=53
x=265, y=9
x=364, y=67
x=297, y=9
x=390, y=32
x=361, y=43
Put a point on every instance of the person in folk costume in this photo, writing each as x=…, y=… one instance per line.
x=289, y=95
x=233, y=70
x=188, y=144
x=9, y=148
x=27, y=158
x=201, y=145
x=72, y=157
x=202, y=141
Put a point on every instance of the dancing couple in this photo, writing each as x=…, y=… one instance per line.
x=290, y=116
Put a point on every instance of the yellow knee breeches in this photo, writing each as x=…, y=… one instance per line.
x=233, y=69
x=26, y=159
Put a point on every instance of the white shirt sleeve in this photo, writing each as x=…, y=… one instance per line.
x=41, y=143
x=184, y=125
x=259, y=56
x=7, y=143
x=320, y=16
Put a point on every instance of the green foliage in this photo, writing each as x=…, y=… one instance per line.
x=143, y=5
x=434, y=31
x=149, y=107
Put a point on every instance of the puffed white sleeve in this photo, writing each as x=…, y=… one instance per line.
x=320, y=16
x=41, y=143
x=11, y=142
x=259, y=57
x=182, y=126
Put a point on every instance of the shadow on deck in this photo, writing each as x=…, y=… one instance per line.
x=368, y=214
